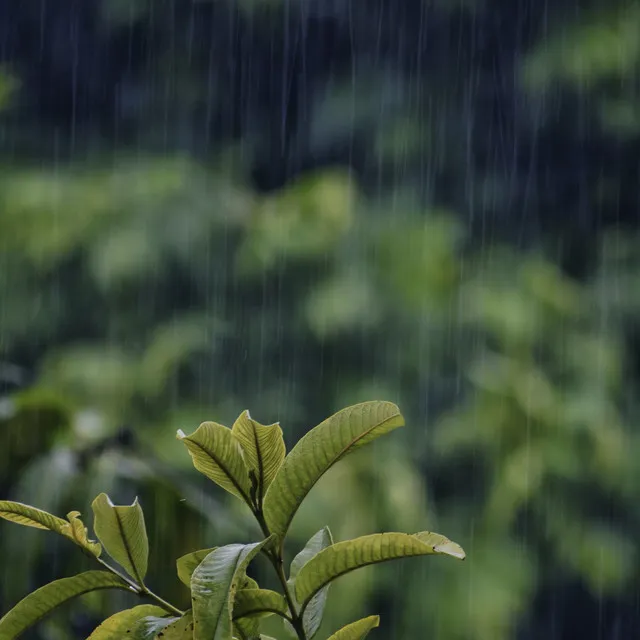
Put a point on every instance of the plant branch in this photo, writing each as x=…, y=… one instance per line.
x=276, y=558
x=142, y=591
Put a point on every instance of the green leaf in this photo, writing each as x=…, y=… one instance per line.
x=356, y=630
x=318, y=451
x=116, y=626
x=42, y=601
x=76, y=531
x=30, y=516
x=343, y=557
x=312, y=617
x=123, y=534
x=264, y=450
x=217, y=454
x=316, y=543
x=252, y=602
x=149, y=627
x=248, y=583
x=247, y=628
x=187, y=564
x=72, y=528
x=180, y=629
x=213, y=589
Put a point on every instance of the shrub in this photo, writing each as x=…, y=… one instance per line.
x=249, y=461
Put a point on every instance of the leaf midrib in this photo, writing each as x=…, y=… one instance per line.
x=337, y=459
x=127, y=549
x=87, y=589
x=359, y=566
x=224, y=468
x=260, y=464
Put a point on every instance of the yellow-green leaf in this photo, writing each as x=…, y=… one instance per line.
x=76, y=531
x=45, y=599
x=123, y=533
x=247, y=583
x=357, y=630
x=116, y=626
x=149, y=627
x=179, y=629
x=318, y=451
x=343, y=557
x=252, y=602
x=247, y=628
x=187, y=564
x=217, y=454
x=213, y=588
x=72, y=528
x=30, y=516
x=264, y=450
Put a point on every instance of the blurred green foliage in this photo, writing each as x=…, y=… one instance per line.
x=154, y=291
x=538, y=380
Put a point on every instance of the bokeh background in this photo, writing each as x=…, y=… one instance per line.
x=295, y=205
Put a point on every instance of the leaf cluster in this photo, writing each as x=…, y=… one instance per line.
x=249, y=461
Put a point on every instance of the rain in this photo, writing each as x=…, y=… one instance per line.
x=291, y=207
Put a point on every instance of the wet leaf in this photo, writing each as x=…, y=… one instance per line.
x=180, y=629
x=251, y=602
x=264, y=450
x=356, y=630
x=213, y=588
x=187, y=564
x=76, y=531
x=217, y=454
x=318, y=451
x=116, y=626
x=30, y=516
x=123, y=533
x=45, y=599
x=149, y=627
x=312, y=617
x=343, y=557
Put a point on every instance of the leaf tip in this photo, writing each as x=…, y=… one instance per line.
x=451, y=549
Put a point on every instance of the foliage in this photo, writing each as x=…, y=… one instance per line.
x=415, y=205
x=250, y=462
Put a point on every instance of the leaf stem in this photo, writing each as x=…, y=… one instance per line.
x=142, y=591
x=276, y=558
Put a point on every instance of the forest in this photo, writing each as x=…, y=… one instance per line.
x=291, y=206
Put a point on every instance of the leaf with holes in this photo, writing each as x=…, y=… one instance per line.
x=123, y=533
